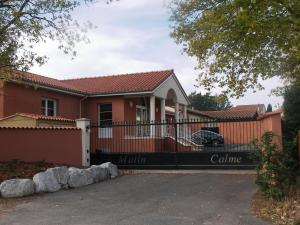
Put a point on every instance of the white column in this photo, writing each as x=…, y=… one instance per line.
x=184, y=112
x=186, y=133
x=152, y=114
x=163, y=116
x=176, y=111
x=84, y=124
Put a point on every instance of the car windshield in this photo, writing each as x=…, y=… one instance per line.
x=206, y=133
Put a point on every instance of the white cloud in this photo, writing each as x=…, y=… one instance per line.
x=131, y=36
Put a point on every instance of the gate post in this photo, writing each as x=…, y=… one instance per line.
x=84, y=125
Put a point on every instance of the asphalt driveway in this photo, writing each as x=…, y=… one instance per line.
x=206, y=199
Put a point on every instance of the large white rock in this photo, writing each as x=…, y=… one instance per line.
x=61, y=174
x=16, y=188
x=112, y=169
x=99, y=173
x=46, y=182
x=79, y=177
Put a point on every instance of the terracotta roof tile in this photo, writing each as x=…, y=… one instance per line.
x=42, y=128
x=247, y=112
x=231, y=114
x=123, y=83
x=38, y=79
x=40, y=117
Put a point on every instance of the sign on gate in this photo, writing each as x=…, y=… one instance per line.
x=192, y=160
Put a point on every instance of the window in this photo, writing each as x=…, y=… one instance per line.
x=105, y=120
x=141, y=114
x=142, y=117
x=49, y=107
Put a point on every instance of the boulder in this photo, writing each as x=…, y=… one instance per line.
x=16, y=188
x=46, y=182
x=99, y=173
x=79, y=177
x=61, y=174
x=112, y=169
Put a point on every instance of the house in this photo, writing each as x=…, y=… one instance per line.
x=103, y=99
x=35, y=120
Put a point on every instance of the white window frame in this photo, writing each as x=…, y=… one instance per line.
x=46, y=106
x=142, y=131
x=107, y=131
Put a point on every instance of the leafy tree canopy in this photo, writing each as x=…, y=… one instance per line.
x=208, y=102
x=269, y=108
x=291, y=110
x=24, y=23
x=237, y=42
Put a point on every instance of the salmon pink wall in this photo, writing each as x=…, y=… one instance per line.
x=117, y=107
x=53, y=145
x=243, y=132
x=130, y=112
x=19, y=98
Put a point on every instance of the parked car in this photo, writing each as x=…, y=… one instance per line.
x=207, y=138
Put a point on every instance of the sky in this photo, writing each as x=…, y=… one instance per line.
x=132, y=36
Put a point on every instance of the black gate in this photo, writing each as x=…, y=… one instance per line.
x=224, y=144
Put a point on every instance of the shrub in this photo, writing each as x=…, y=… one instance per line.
x=276, y=168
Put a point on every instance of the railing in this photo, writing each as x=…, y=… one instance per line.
x=180, y=136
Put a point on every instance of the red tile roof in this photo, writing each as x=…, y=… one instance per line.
x=38, y=79
x=246, y=107
x=124, y=83
x=40, y=117
x=42, y=128
x=115, y=84
x=231, y=114
x=237, y=112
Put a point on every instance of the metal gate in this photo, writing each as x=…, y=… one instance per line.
x=182, y=144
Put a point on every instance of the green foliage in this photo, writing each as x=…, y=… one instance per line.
x=291, y=110
x=237, y=42
x=209, y=102
x=24, y=23
x=276, y=169
x=269, y=108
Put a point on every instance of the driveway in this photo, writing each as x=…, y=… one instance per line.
x=145, y=199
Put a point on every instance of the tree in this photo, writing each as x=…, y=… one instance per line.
x=291, y=111
x=208, y=102
x=269, y=108
x=24, y=23
x=239, y=42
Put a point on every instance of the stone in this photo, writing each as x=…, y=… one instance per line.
x=112, y=169
x=61, y=174
x=16, y=188
x=46, y=182
x=99, y=173
x=79, y=177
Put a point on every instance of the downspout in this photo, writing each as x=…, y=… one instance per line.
x=81, y=100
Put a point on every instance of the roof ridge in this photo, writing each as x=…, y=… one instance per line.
x=118, y=75
x=35, y=74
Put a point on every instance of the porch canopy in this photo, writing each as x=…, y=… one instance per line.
x=169, y=93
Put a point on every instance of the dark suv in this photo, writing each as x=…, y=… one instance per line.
x=207, y=138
